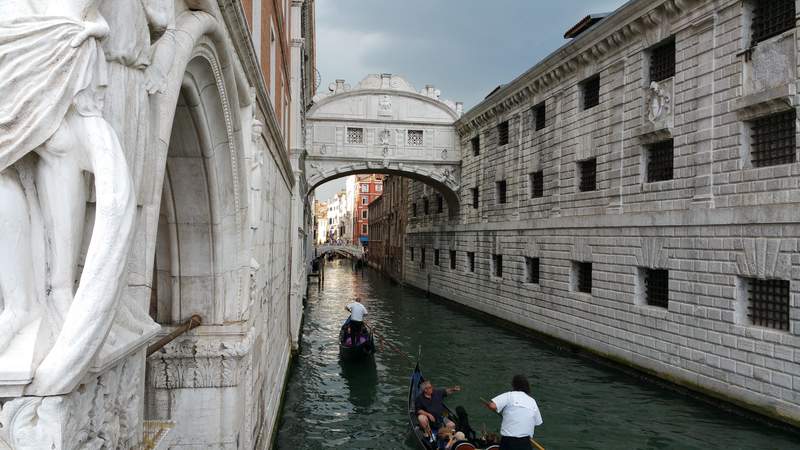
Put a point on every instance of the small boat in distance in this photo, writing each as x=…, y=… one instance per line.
x=363, y=347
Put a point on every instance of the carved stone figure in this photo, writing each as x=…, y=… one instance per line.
x=385, y=106
x=51, y=80
x=658, y=103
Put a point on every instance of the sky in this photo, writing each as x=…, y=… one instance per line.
x=463, y=47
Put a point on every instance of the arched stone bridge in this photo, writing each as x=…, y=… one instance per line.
x=384, y=125
x=352, y=251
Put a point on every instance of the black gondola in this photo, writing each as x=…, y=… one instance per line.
x=461, y=424
x=363, y=348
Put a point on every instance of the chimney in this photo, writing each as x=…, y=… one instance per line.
x=429, y=90
x=339, y=86
x=459, y=108
x=386, y=81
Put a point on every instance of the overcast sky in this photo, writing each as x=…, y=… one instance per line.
x=463, y=47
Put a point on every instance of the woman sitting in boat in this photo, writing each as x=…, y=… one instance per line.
x=430, y=407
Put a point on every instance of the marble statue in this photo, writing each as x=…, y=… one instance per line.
x=52, y=131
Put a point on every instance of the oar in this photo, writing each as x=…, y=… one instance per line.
x=533, y=442
x=391, y=347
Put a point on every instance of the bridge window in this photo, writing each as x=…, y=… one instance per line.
x=436, y=257
x=532, y=270
x=425, y=206
x=471, y=261
x=474, y=197
x=536, y=182
x=439, y=203
x=415, y=138
x=773, y=139
x=476, y=146
x=768, y=302
x=587, y=171
x=500, y=191
x=662, y=61
x=497, y=265
x=502, y=133
x=771, y=18
x=659, y=161
x=590, y=90
x=355, y=135
x=452, y=260
x=539, y=116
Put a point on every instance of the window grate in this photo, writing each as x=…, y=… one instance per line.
x=497, y=262
x=532, y=270
x=584, y=274
x=415, y=138
x=591, y=92
x=476, y=146
x=502, y=133
x=772, y=17
x=422, y=257
x=425, y=206
x=774, y=139
x=500, y=188
x=355, y=135
x=412, y=253
x=768, y=303
x=536, y=180
x=539, y=116
x=656, y=284
x=439, y=203
x=474, y=198
x=436, y=257
x=662, y=61
x=660, y=161
x=452, y=259
x=471, y=261
x=588, y=174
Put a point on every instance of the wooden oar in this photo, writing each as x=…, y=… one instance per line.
x=533, y=442
x=391, y=347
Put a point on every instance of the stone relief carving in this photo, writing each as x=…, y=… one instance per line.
x=658, y=103
x=68, y=132
x=762, y=258
x=385, y=136
x=385, y=105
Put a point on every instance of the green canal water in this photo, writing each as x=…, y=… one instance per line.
x=585, y=405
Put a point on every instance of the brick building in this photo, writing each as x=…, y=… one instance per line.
x=635, y=193
x=387, y=215
x=367, y=188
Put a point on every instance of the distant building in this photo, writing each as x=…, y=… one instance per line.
x=363, y=189
x=387, y=226
x=320, y=222
x=339, y=217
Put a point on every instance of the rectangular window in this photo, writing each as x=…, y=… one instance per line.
x=363, y=228
x=474, y=197
x=412, y=253
x=583, y=276
x=773, y=139
x=768, y=303
x=364, y=213
x=425, y=206
x=771, y=18
x=500, y=191
x=471, y=261
x=439, y=203
x=587, y=172
x=452, y=260
x=536, y=182
x=476, y=146
x=497, y=265
x=502, y=133
x=656, y=287
x=590, y=89
x=365, y=187
x=662, y=61
x=659, y=161
x=415, y=138
x=413, y=210
x=378, y=188
x=436, y=257
x=422, y=257
x=365, y=200
x=532, y=270
x=539, y=116
x=355, y=135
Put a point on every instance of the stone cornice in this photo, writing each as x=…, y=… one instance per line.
x=607, y=36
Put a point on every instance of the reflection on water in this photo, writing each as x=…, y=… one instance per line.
x=332, y=404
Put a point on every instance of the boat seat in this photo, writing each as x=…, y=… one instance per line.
x=464, y=446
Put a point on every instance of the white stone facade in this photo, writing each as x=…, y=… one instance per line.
x=715, y=224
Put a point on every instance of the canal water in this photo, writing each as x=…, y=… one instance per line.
x=585, y=405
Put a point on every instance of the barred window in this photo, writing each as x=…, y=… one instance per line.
x=773, y=139
x=436, y=257
x=539, y=116
x=536, y=182
x=583, y=276
x=471, y=261
x=364, y=214
x=412, y=253
x=474, y=198
x=656, y=287
x=413, y=210
x=422, y=257
x=659, y=161
x=425, y=206
x=497, y=265
x=452, y=259
x=415, y=138
x=502, y=133
x=587, y=173
x=476, y=146
x=662, y=61
x=500, y=190
x=590, y=88
x=768, y=303
x=532, y=270
x=439, y=203
x=355, y=135
x=771, y=18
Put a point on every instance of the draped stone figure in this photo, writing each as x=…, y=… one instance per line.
x=52, y=131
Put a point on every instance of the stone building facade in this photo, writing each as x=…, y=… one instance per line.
x=387, y=227
x=635, y=193
x=367, y=189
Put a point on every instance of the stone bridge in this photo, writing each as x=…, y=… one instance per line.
x=384, y=125
x=351, y=251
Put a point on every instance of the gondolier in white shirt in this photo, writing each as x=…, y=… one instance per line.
x=520, y=415
x=357, y=313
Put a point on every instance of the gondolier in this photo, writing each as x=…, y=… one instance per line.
x=520, y=415
x=357, y=313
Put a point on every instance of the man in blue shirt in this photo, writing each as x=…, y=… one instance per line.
x=429, y=405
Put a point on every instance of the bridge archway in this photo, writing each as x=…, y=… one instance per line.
x=385, y=126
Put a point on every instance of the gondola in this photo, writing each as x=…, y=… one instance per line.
x=364, y=348
x=461, y=421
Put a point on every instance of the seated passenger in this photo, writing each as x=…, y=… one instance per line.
x=455, y=438
x=429, y=406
